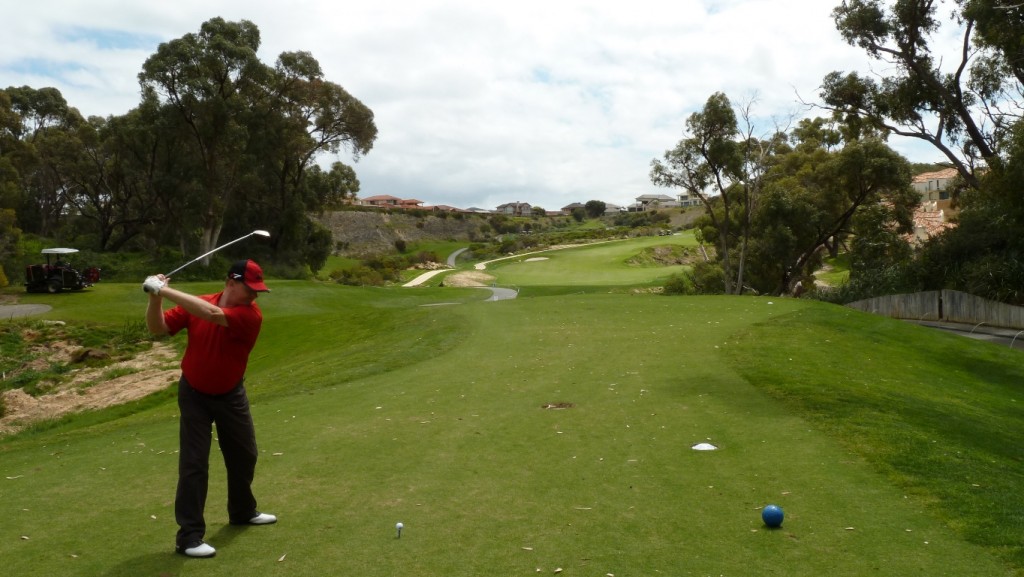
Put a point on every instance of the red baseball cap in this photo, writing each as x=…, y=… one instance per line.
x=249, y=273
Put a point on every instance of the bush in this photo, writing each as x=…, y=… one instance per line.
x=679, y=284
x=359, y=275
x=708, y=278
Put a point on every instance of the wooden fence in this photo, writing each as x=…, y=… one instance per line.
x=946, y=305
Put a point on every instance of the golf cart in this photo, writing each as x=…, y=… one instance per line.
x=58, y=275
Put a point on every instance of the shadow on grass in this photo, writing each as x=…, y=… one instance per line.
x=169, y=563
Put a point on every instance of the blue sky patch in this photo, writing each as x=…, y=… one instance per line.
x=41, y=67
x=109, y=39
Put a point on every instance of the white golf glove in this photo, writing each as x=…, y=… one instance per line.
x=152, y=285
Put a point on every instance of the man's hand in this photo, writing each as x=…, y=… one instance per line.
x=153, y=285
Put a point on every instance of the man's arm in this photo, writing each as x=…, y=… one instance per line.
x=192, y=304
x=155, y=316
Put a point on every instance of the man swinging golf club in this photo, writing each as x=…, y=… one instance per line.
x=222, y=330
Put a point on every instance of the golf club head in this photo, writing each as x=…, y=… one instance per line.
x=261, y=233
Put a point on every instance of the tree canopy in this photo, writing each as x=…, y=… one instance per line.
x=220, y=143
x=965, y=108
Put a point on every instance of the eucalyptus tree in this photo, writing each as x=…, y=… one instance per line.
x=249, y=131
x=209, y=81
x=302, y=117
x=965, y=98
x=10, y=127
x=822, y=191
x=44, y=130
x=129, y=168
x=724, y=168
x=961, y=98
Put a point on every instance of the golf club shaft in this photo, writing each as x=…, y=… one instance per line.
x=201, y=257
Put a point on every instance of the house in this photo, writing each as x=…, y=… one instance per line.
x=933, y=216
x=934, y=185
x=685, y=199
x=646, y=202
x=613, y=209
x=382, y=201
x=515, y=209
x=929, y=220
x=409, y=203
x=567, y=209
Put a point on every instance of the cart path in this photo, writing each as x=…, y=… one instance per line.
x=8, y=312
x=497, y=293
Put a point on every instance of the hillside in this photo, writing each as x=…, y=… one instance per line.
x=366, y=233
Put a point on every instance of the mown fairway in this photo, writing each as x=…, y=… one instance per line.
x=616, y=263
x=373, y=409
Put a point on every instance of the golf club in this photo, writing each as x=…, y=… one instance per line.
x=201, y=257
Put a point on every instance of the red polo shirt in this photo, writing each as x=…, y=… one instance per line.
x=216, y=356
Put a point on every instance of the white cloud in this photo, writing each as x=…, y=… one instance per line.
x=477, y=103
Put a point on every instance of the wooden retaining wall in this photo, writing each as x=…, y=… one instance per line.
x=946, y=305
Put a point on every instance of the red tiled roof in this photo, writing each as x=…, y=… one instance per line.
x=945, y=173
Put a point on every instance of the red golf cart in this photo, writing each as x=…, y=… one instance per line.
x=57, y=274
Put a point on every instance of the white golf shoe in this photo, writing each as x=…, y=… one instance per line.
x=263, y=519
x=197, y=549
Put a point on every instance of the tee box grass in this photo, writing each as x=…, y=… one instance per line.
x=529, y=436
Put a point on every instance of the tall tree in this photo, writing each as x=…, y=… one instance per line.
x=210, y=80
x=46, y=135
x=723, y=167
x=817, y=194
x=303, y=116
x=963, y=108
x=252, y=131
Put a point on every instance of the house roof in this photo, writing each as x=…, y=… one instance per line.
x=944, y=174
x=929, y=222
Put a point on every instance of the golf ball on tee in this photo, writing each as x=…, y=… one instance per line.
x=399, y=526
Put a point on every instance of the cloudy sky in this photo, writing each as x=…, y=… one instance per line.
x=478, y=103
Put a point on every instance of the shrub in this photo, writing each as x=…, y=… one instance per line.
x=679, y=284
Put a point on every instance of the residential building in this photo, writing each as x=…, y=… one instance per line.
x=934, y=185
x=646, y=202
x=515, y=209
x=932, y=217
x=382, y=200
x=686, y=199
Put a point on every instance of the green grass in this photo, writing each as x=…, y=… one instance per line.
x=839, y=271
x=372, y=409
x=606, y=264
x=942, y=420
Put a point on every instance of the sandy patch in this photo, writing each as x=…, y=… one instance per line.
x=469, y=279
x=154, y=370
x=536, y=258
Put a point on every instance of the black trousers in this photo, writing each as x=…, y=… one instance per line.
x=237, y=438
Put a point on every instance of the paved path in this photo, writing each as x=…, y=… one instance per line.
x=497, y=293
x=16, y=311
x=1013, y=338
x=425, y=277
x=455, y=255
